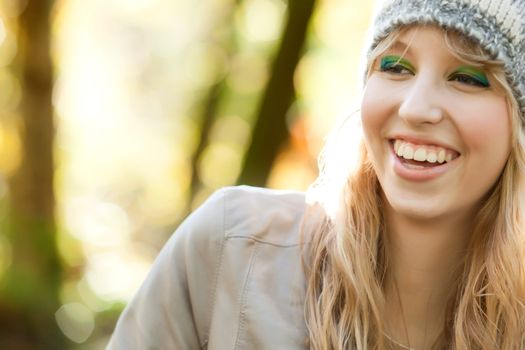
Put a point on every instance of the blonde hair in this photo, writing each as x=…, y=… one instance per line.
x=347, y=261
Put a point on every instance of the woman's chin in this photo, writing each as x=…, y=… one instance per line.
x=416, y=210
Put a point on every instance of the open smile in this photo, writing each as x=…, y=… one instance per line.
x=422, y=153
x=417, y=162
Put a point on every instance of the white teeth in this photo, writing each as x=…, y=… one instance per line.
x=431, y=157
x=400, y=150
x=408, y=152
x=431, y=154
x=420, y=155
x=441, y=156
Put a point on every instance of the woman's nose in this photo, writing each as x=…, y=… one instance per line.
x=421, y=103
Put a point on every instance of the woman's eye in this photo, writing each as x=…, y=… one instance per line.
x=395, y=65
x=471, y=77
x=396, y=68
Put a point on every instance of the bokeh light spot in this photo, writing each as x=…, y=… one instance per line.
x=13, y=8
x=231, y=129
x=261, y=20
x=204, y=65
x=101, y=224
x=76, y=321
x=116, y=276
x=89, y=298
x=10, y=149
x=248, y=73
x=220, y=165
x=10, y=88
x=3, y=31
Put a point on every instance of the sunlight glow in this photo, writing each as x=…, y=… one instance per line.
x=115, y=276
x=204, y=65
x=133, y=79
x=220, y=165
x=262, y=20
x=97, y=223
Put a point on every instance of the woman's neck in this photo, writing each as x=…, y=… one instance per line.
x=424, y=258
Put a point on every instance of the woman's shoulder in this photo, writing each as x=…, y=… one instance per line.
x=259, y=290
x=261, y=214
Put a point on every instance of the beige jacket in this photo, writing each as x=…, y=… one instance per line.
x=229, y=278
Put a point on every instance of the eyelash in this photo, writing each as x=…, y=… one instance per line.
x=396, y=67
x=468, y=80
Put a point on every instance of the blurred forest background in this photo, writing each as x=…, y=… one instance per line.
x=118, y=117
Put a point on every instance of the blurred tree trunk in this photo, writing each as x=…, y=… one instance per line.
x=29, y=291
x=211, y=102
x=270, y=131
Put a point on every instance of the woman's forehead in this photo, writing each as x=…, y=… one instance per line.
x=403, y=38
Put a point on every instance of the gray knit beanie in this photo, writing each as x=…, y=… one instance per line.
x=497, y=25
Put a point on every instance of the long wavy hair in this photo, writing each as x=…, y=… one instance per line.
x=348, y=263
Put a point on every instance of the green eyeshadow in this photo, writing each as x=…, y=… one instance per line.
x=388, y=62
x=477, y=74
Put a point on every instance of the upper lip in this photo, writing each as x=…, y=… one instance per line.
x=417, y=140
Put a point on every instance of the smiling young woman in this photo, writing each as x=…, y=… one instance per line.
x=437, y=129
x=420, y=245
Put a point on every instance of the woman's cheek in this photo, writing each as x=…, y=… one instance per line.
x=486, y=126
x=376, y=106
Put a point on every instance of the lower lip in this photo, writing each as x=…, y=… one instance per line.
x=420, y=174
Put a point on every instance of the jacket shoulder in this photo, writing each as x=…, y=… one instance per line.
x=268, y=216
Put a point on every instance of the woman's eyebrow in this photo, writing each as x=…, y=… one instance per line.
x=399, y=45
